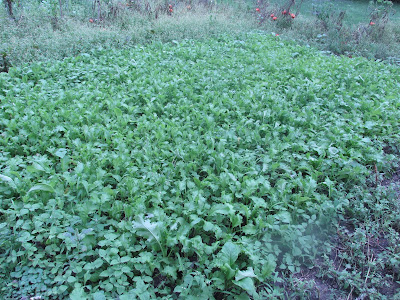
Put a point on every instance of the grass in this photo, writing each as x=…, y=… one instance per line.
x=213, y=169
x=40, y=34
x=35, y=39
x=357, y=11
x=330, y=32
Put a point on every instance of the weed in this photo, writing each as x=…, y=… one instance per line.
x=41, y=34
x=199, y=168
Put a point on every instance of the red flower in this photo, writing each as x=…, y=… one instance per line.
x=91, y=20
x=170, y=6
x=272, y=15
x=293, y=16
x=274, y=18
x=276, y=34
x=257, y=9
x=371, y=23
x=171, y=10
x=284, y=12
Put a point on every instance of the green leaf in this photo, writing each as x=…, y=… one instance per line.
x=125, y=269
x=247, y=284
x=243, y=274
x=228, y=271
x=42, y=187
x=229, y=253
x=78, y=294
x=226, y=149
x=8, y=180
x=223, y=209
x=99, y=296
x=97, y=263
x=284, y=217
x=125, y=259
x=208, y=226
x=171, y=271
x=148, y=230
x=269, y=266
x=236, y=220
x=61, y=152
x=35, y=168
x=117, y=112
x=242, y=296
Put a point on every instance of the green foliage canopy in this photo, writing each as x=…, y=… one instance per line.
x=188, y=168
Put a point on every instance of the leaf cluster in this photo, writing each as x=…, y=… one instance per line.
x=189, y=169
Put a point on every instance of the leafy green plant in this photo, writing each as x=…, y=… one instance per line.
x=190, y=168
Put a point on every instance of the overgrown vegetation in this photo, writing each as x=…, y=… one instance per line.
x=39, y=33
x=330, y=27
x=50, y=30
x=207, y=170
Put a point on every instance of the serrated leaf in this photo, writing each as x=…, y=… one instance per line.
x=259, y=202
x=269, y=266
x=171, y=271
x=247, y=273
x=148, y=230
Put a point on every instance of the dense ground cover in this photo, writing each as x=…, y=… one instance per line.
x=189, y=169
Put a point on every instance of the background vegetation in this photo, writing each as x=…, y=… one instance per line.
x=46, y=30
